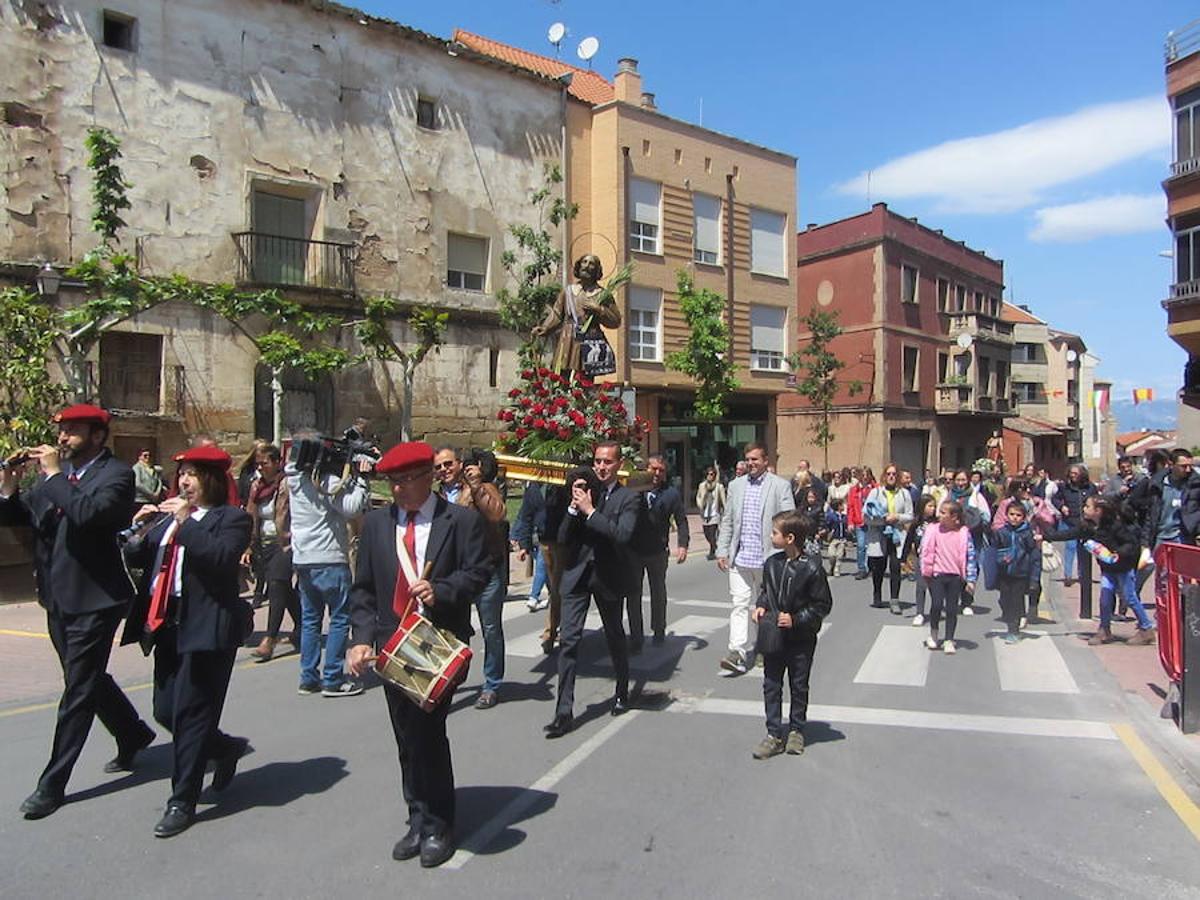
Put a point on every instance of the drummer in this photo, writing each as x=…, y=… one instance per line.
x=447, y=547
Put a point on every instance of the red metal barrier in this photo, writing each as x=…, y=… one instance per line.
x=1176, y=567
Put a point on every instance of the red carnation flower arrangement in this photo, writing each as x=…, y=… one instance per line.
x=555, y=417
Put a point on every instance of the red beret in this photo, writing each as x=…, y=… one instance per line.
x=405, y=456
x=206, y=456
x=83, y=412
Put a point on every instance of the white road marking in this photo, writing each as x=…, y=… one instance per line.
x=756, y=672
x=490, y=830
x=904, y=718
x=697, y=626
x=898, y=656
x=707, y=604
x=529, y=646
x=1033, y=665
x=652, y=657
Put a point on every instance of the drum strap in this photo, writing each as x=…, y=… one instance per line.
x=406, y=553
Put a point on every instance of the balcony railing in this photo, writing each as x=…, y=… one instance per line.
x=979, y=326
x=1182, y=41
x=1182, y=289
x=274, y=261
x=1185, y=167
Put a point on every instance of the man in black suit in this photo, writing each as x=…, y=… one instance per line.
x=649, y=551
x=595, y=532
x=448, y=550
x=83, y=498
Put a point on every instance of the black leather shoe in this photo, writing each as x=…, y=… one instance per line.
x=123, y=761
x=620, y=706
x=40, y=804
x=559, y=726
x=658, y=640
x=178, y=818
x=408, y=846
x=636, y=645
x=225, y=767
x=435, y=850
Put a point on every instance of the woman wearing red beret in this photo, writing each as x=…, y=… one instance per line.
x=188, y=611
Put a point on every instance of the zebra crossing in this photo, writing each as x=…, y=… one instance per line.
x=896, y=656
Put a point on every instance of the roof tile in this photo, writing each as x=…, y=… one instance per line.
x=586, y=85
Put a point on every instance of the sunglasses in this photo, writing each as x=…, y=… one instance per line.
x=448, y=464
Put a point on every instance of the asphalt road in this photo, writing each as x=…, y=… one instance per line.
x=925, y=776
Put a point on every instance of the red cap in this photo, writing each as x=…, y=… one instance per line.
x=83, y=412
x=405, y=456
x=206, y=456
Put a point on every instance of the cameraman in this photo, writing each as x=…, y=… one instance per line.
x=321, y=505
x=466, y=486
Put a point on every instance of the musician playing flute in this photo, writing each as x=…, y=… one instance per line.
x=447, y=555
x=82, y=499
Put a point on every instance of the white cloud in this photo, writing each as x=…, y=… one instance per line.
x=1101, y=217
x=1008, y=170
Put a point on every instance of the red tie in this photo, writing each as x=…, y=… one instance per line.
x=400, y=599
x=162, y=588
x=73, y=478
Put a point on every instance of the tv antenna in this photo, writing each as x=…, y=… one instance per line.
x=557, y=32
x=587, y=49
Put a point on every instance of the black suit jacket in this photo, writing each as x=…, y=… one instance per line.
x=211, y=614
x=457, y=549
x=595, y=545
x=653, y=532
x=77, y=559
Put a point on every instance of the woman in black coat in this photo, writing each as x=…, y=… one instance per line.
x=189, y=613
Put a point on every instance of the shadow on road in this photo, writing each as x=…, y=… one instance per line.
x=486, y=814
x=276, y=784
x=821, y=733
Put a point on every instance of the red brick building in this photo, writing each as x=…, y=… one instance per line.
x=922, y=334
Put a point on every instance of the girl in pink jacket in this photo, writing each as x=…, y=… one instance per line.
x=948, y=566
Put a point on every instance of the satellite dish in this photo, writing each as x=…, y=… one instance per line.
x=1072, y=356
x=587, y=48
x=557, y=32
x=964, y=341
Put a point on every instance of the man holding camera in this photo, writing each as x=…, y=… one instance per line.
x=467, y=485
x=321, y=504
x=649, y=552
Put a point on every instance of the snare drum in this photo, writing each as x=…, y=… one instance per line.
x=426, y=662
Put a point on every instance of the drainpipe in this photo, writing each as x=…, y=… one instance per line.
x=623, y=257
x=565, y=81
x=729, y=257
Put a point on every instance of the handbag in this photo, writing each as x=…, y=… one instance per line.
x=1051, y=559
x=596, y=356
x=770, y=635
x=989, y=566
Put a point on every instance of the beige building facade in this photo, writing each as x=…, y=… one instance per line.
x=311, y=149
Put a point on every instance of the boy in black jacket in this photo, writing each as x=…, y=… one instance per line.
x=1018, y=568
x=794, y=599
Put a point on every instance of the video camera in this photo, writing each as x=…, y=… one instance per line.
x=323, y=455
x=485, y=460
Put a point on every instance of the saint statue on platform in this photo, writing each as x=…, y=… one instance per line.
x=577, y=315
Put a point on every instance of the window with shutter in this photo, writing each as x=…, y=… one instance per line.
x=466, y=262
x=768, y=337
x=645, y=215
x=645, y=321
x=768, y=250
x=707, y=240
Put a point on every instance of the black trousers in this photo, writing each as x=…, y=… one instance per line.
x=83, y=644
x=426, y=770
x=1012, y=600
x=878, y=564
x=574, y=614
x=654, y=567
x=944, y=593
x=710, y=535
x=281, y=593
x=795, y=660
x=189, y=694
x=1085, y=580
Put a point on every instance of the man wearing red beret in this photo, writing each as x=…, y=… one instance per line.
x=82, y=499
x=448, y=549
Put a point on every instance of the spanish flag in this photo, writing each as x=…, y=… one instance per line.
x=1142, y=395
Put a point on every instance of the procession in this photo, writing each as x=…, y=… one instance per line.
x=572, y=457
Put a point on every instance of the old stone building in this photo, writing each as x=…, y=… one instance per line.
x=292, y=144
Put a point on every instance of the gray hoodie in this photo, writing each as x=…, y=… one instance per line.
x=319, y=517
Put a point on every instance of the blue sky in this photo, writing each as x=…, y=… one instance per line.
x=1035, y=131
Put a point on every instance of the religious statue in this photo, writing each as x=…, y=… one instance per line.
x=995, y=450
x=577, y=315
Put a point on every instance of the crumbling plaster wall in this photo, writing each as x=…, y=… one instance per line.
x=223, y=94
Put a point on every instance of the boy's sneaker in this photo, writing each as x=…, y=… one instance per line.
x=1023, y=624
x=345, y=689
x=531, y=604
x=948, y=647
x=734, y=663
x=770, y=746
x=307, y=690
x=968, y=611
x=931, y=643
x=1011, y=638
x=795, y=743
x=895, y=607
x=918, y=620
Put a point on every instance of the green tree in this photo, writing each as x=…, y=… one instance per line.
x=818, y=367
x=29, y=396
x=706, y=356
x=533, y=266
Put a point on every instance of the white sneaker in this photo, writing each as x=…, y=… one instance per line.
x=542, y=603
x=968, y=611
x=948, y=647
x=1022, y=624
x=532, y=604
x=918, y=621
x=931, y=643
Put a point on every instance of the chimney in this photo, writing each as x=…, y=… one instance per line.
x=648, y=101
x=628, y=83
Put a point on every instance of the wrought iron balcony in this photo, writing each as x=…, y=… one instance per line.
x=1182, y=167
x=979, y=326
x=269, y=260
x=1185, y=289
